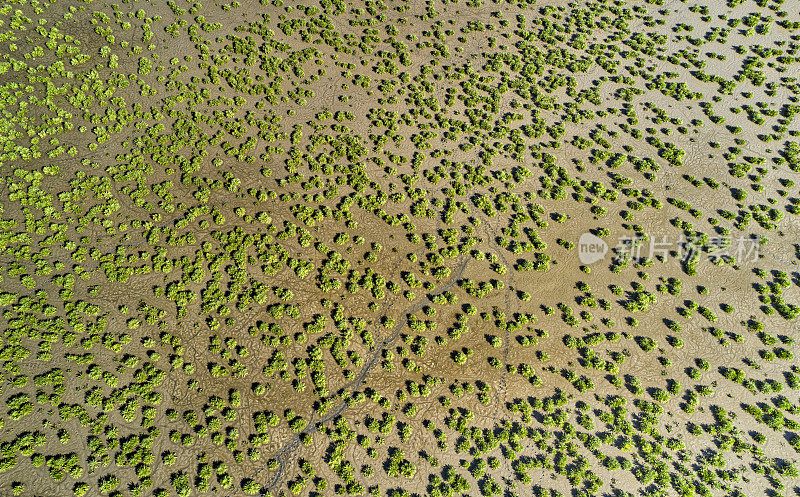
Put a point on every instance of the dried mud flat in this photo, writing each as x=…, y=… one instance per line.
x=351, y=248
